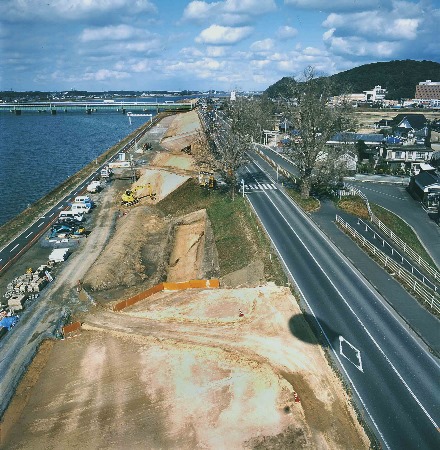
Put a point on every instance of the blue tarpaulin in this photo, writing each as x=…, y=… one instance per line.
x=8, y=322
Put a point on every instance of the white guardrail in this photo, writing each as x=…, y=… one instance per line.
x=428, y=296
x=351, y=190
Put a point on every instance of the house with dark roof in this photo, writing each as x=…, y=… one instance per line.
x=425, y=186
x=404, y=124
x=408, y=157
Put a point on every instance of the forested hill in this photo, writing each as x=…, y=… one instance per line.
x=398, y=77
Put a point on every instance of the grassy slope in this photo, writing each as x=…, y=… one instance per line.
x=238, y=236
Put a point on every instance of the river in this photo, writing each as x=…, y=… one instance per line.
x=38, y=151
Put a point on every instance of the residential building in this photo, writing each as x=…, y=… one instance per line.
x=407, y=157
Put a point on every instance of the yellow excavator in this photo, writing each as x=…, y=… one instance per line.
x=129, y=197
x=206, y=179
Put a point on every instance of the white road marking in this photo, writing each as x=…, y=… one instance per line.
x=355, y=315
x=29, y=234
x=60, y=207
x=12, y=249
x=52, y=214
x=356, y=351
x=322, y=330
x=39, y=225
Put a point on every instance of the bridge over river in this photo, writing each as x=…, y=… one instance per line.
x=94, y=106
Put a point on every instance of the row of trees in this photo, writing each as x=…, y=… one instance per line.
x=306, y=109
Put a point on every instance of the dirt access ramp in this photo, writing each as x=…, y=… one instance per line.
x=185, y=370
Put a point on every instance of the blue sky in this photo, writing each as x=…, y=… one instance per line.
x=100, y=45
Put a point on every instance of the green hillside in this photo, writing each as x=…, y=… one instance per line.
x=398, y=77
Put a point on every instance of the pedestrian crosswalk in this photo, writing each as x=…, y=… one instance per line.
x=259, y=186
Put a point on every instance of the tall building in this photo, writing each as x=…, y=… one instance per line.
x=428, y=90
x=375, y=95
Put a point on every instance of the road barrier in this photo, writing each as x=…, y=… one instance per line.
x=69, y=329
x=428, y=296
x=351, y=190
x=213, y=283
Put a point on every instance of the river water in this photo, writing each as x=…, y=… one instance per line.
x=39, y=151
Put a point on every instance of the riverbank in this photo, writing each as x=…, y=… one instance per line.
x=14, y=227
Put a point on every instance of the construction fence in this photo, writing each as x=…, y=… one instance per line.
x=191, y=284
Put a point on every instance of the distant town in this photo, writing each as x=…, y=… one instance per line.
x=72, y=95
x=426, y=95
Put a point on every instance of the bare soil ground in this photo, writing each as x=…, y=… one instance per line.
x=180, y=370
x=366, y=119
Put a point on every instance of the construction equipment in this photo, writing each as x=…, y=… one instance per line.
x=129, y=197
x=206, y=179
x=65, y=231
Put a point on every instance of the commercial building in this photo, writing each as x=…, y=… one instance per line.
x=428, y=90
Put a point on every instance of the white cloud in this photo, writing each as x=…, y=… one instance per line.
x=152, y=46
x=338, y=5
x=357, y=46
x=198, y=10
x=260, y=63
x=227, y=12
x=286, y=32
x=215, y=52
x=117, y=32
x=69, y=10
x=220, y=35
x=373, y=26
x=263, y=46
x=191, y=52
x=105, y=74
x=249, y=6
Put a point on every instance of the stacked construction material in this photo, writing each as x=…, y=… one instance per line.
x=27, y=286
x=59, y=255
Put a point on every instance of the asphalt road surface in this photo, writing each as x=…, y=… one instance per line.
x=393, y=377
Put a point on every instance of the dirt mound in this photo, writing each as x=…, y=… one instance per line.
x=162, y=183
x=147, y=248
x=133, y=254
x=185, y=370
x=193, y=255
x=182, y=133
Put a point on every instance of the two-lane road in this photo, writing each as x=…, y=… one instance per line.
x=393, y=377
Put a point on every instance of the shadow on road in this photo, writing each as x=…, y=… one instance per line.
x=305, y=327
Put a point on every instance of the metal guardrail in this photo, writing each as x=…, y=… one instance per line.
x=351, y=190
x=406, y=248
x=428, y=296
x=414, y=270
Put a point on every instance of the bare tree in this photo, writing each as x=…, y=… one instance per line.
x=238, y=124
x=316, y=121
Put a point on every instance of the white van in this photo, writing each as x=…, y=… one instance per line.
x=83, y=199
x=81, y=207
x=76, y=215
x=86, y=200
